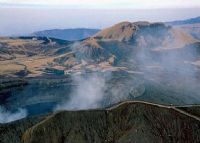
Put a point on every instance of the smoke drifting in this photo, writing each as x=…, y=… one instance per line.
x=88, y=93
x=168, y=63
x=164, y=59
x=7, y=116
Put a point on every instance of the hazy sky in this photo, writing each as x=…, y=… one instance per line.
x=18, y=17
x=141, y=4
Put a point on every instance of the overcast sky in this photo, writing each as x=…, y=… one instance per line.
x=19, y=17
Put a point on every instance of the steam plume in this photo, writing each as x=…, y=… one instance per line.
x=6, y=116
x=88, y=93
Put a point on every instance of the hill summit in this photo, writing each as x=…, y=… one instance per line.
x=125, y=31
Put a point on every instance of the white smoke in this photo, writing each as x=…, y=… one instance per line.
x=169, y=66
x=7, y=116
x=88, y=94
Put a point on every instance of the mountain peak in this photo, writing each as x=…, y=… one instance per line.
x=121, y=32
x=91, y=42
x=125, y=31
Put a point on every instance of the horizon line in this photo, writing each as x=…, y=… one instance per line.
x=85, y=7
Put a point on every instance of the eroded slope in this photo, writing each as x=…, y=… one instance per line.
x=126, y=122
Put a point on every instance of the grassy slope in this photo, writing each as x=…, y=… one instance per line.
x=195, y=110
x=126, y=122
x=12, y=132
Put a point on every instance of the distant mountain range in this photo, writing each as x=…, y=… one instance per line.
x=67, y=34
x=190, y=26
x=187, y=21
